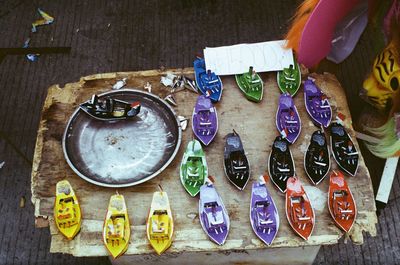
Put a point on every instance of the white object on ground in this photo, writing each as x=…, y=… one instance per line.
x=387, y=179
x=119, y=84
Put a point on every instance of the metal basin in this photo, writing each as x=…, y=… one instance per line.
x=125, y=152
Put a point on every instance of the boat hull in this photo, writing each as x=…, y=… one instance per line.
x=317, y=158
x=288, y=80
x=116, y=229
x=343, y=149
x=209, y=84
x=204, y=120
x=264, y=217
x=193, y=170
x=288, y=121
x=252, y=89
x=214, y=218
x=280, y=163
x=160, y=225
x=236, y=164
x=341, y=203
x=109, y=109
x=317, y=104
x=299, y=211
x=67, y=211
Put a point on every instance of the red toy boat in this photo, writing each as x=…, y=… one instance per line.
x=299, y=211
x=341, y=203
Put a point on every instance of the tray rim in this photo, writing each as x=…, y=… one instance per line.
x=156, y=173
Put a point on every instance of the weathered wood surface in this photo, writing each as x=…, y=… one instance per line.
x=256, y=125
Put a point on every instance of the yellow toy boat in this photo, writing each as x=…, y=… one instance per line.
x=160, y=226
x=67, y=212
x=116, y=230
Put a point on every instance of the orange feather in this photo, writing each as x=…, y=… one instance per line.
x=299, y=21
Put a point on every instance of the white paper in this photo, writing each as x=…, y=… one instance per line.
x=236, y=59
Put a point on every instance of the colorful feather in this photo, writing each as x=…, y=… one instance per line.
x=299, y=20
x=389, y=143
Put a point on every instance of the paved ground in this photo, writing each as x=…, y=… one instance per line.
x=108, y=36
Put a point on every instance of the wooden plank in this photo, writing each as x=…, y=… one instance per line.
x=269, y=256
x=234, y=111
x=388, y=174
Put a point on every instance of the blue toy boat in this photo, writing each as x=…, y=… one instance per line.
x=208, y=82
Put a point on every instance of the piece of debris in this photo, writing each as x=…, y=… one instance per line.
x=190, y=84
x=2, y=164
x=109, y=24
x=184, y=122
x=171, y=100
x=147, y=87
x=77, y=30
x=31, y=57
x=22, y=201
x=46, y=20
x=119, y=84
x=168, y=80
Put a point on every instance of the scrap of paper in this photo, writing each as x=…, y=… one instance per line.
x=31, y=57
x=236, y=59
x=46, y=20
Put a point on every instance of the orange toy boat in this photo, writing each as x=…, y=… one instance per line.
x=299, y=211
x=341, y=203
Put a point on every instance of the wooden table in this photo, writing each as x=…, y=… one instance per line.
x=256, y=125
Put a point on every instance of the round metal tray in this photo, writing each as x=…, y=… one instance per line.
x=125, y=152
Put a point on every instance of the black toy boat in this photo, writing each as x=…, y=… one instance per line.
x=110, y=109
x=236, y=165
x=316, y=159
x=343, y=149
x=280, y=164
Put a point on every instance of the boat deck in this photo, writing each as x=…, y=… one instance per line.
x=124, y=35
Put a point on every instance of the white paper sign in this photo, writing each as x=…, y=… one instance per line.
x=236, y=59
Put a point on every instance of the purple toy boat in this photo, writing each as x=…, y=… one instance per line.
x=288, y=120
x=317, y=103
x=264, y=216
x=205, y=120
x=214, y=218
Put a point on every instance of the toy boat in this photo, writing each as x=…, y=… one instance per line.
x=287, y=118
x=343, y=149
x=193, y=170
x=236, y=165
x=214, y=218
x=67, y=212
x=341, y=203
x=251, y=85
x=264, y=217
x=204, y=120
x=317, y=104
x=280, y=163
x=116, y=230
x=160, y=225
x=289, y=79
x=299, y=211
x=316, y=159
x=110, y=109
x=208, y=82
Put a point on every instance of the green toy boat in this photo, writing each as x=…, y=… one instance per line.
x=289, y=79
x=251, y=85
x=193, y=171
